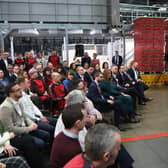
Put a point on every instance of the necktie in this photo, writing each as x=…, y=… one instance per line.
x=116, y=60
x=122, y=76
x=129, y=77
x=100, y=91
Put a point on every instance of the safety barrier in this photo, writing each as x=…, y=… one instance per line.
x=155, y=79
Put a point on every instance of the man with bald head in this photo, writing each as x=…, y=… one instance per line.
x=57, y=91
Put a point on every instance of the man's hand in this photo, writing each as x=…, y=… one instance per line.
x=45, y=93
x=33, y=127
x=34, y=94
x=44, y=119
x=2, y=165
x=111, y=98
x=110, y=101
x=133, y=83
x=10, y=150
x=140, y=80
x=127, y=85
x=12, y=135
x=90, y=120
x=123, y=94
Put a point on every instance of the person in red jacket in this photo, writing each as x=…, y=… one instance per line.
x=37, y=87
x=54, y=59
x=57, y=91
x=19, y=60
x=47, y=80
x=29, y=61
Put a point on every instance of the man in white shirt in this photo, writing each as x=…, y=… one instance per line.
x=32, y=111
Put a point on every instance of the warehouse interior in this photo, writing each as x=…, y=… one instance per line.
x=138, y=30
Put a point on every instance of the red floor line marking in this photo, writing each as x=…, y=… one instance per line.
x=137, y=138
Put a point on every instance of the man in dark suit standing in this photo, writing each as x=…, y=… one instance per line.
x=5, y=61
x=117, y=59
x=100, y=102
x=85, y=59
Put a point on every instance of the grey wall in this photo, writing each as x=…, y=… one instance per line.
x=54, y=10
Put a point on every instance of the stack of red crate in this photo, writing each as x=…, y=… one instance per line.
x=149, y=44
x=166, y=36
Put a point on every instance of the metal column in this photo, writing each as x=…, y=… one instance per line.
x=124, y=47
x=1, y=43
x=66, y=52
x=12, y=48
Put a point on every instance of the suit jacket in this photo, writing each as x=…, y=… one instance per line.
x=122, y=80
x=132, y=74
x=40, y=77
x=11, y=78
x=88, y=79
x=117, y=86
x=2, y=64
x=120, y=60
x=95, y=95
x=11, y=120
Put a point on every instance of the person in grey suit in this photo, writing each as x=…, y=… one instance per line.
x=13, y=118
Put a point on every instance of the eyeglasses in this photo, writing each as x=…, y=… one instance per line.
x=17, y=90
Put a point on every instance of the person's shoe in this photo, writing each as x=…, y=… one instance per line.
x=134, y=120
x=142, y=103
x=138, y=114
x=148, y=99
x=122, y=129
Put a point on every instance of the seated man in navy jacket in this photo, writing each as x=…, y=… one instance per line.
x=101, y=103
x=135, y=75
x=125, y=81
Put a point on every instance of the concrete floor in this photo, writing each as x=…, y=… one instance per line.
x=151, y=152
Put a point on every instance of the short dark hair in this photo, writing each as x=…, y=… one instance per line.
x=91, y=66
x=97, y=74
x=8, y=88
x=20, y=80
x=71, y=114
x=73, y=84
x=122, y=65
x=45, y=70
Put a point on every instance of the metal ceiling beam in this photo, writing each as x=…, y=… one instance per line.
x=11, y=26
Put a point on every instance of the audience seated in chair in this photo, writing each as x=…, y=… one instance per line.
x=15, y=120
x=33, y=112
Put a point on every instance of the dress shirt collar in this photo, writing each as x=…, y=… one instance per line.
x=69, y=134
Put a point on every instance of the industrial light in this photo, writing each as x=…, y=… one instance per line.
x=92, y=32
x=28, y=31
x=115, y=30
x=162, y=9
x=75, y=31
x=53, y=31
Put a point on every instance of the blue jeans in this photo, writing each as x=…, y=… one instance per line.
x=41, y=138
x=50, y=127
